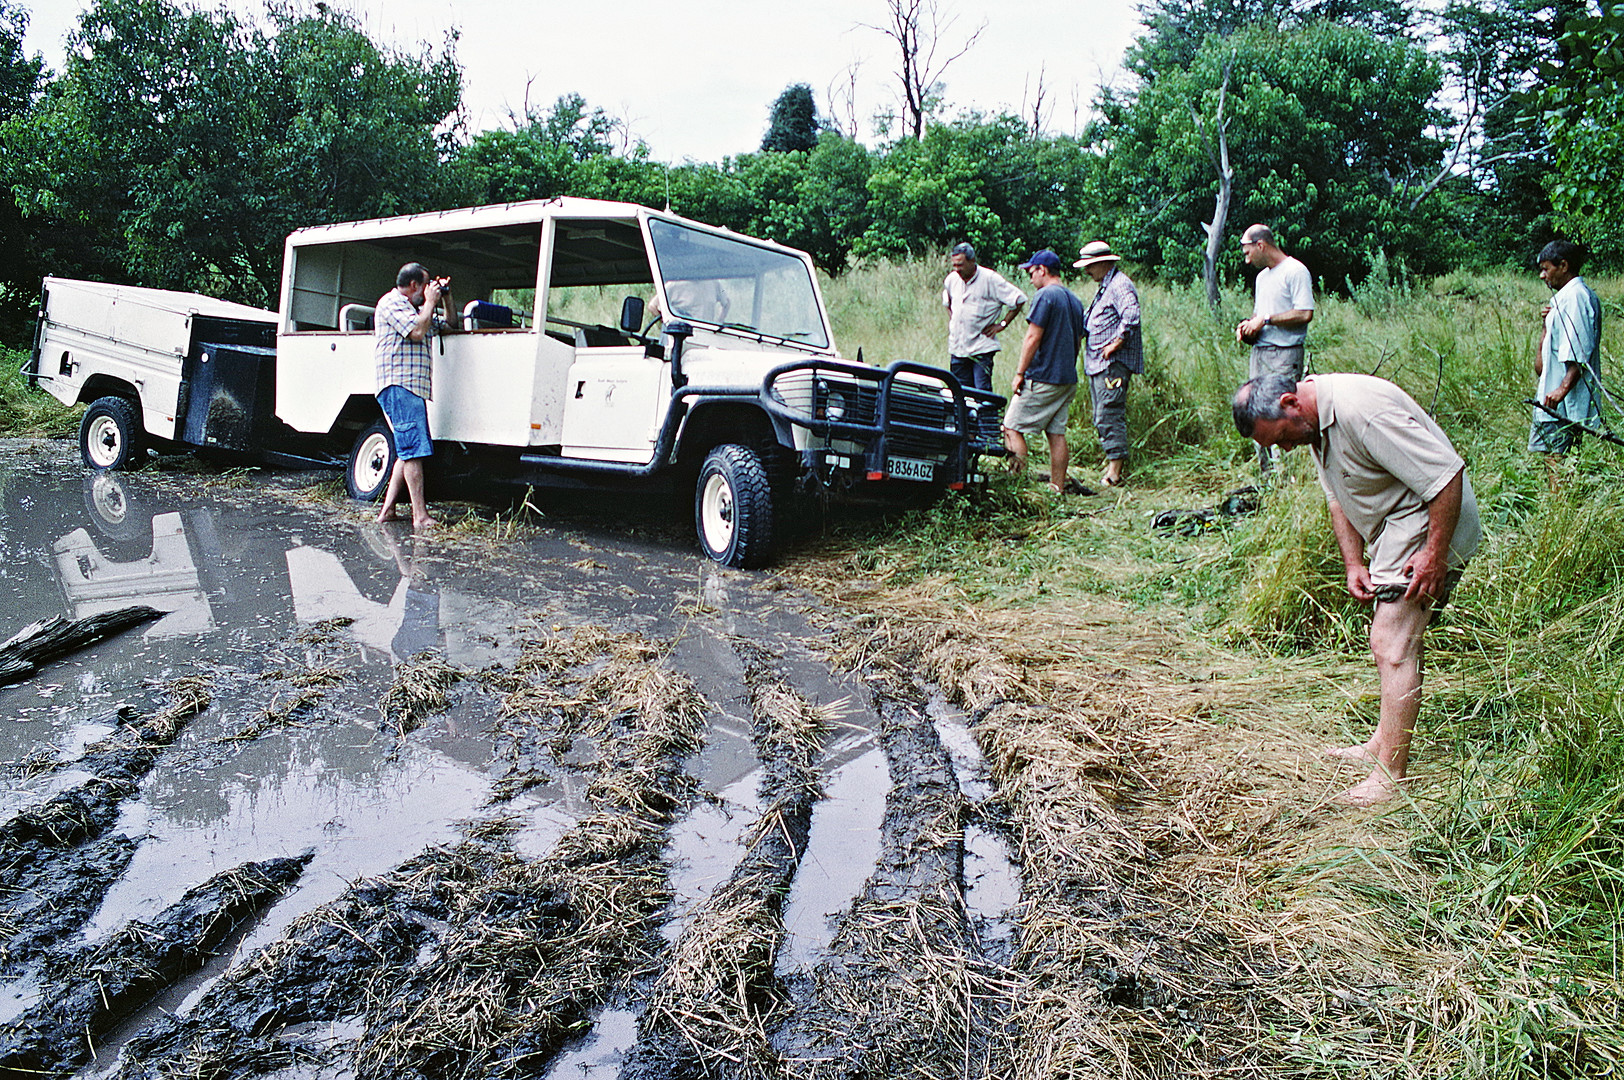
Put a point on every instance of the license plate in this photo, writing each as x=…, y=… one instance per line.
x=901, y=468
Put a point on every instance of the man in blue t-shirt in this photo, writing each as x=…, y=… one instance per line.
x=1046, y=374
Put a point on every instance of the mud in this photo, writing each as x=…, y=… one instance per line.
x=85, y=991
x=570, y=801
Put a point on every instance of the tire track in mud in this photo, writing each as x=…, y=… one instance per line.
x=474, y=960
x=905, y=988
x=56, y=859
x=1123, y=968
x=88, y=990
x=710, y=1010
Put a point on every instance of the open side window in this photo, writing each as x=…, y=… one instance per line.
x=336, y=285
x=597, y=263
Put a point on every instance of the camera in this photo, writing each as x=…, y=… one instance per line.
x=444, y=284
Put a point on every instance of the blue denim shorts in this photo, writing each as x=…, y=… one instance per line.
x=409, y=417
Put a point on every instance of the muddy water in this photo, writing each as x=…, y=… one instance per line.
x=295, y=611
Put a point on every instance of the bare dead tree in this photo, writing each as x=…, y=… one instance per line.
x=1034, y=101
x=1217, y=147
x=842, y=98
x=917, y=28
x=1466, y=152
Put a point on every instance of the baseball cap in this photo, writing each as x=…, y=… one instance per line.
x=1095, y=251
x=1044, y=258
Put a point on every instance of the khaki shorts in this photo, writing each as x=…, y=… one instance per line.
x=1040, y=406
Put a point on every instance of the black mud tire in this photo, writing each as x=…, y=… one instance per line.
x=111, y=435
x=372, y=459
x=733, y=507
x=119, y=514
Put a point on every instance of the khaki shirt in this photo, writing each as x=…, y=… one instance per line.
x=1383, y=459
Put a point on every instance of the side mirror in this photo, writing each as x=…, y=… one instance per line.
x=631, y=315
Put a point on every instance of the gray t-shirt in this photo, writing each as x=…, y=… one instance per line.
x=1284, y=287
x=1062, y=316
x=1383, y=459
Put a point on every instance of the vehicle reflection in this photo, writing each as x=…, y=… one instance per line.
x=175, y=562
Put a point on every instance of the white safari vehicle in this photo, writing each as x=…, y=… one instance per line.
x=590, y=344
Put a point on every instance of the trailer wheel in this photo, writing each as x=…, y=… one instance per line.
x=372, y=458
x=733, y=507
x=116, y=511
x=111, y=436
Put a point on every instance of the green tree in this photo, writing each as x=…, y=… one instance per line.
x=1583, y=104
x=793, y=124
x=21, y=76
x=1175, y=30
x=180, y=146
x=1492, y=51
x=990, y=181
x=540, y=157
x=1329, y=137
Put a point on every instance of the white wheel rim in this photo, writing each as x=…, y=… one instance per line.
x=107, y=495
x=716, y=512
x=104, y=441
x=371, y=462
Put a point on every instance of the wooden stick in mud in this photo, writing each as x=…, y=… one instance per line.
x=51, y=638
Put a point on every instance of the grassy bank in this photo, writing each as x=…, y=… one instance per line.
x=25, y=410
x=1504, y=868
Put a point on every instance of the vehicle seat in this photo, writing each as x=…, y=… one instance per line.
x=354, y=318
x=484, y=315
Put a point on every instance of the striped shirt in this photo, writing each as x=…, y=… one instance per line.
x=1114, y=313
x=401, y=361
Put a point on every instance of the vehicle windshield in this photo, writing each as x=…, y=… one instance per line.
x=733, y=283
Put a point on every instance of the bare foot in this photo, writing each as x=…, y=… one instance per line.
x=386, y=515
x=423, y=524
x=1361, y=753
x=1373, y=790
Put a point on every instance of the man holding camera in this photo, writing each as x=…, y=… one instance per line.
x=404, y=318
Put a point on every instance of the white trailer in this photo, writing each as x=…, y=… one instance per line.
x=550, y=369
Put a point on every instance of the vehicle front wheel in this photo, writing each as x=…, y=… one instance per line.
x=111, y=436
x=372, y=458
x=733, y=507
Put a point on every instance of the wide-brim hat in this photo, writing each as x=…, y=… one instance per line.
x=1095, y=251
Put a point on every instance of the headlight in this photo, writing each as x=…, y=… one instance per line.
x=831, y=403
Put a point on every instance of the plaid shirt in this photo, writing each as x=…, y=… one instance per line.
x=1114, y=313
x=401, y=361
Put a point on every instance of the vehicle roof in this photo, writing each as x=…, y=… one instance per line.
x=499, y=214
x=164, y=299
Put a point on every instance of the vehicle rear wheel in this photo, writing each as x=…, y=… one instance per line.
x=111, y=436
x=372, y=458
x=733, y=507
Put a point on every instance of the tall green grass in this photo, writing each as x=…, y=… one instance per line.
x=25, y=410
x=1523, y=848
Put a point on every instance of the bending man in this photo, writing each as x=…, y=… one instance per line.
x=1397, y=491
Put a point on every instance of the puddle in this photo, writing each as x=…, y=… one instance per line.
x=840, y=851
x=261, y=591
x=992, y=882
x=600, y=1054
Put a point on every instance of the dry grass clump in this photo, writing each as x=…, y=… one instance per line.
x=903, y=994
x=421, y=688
x=532, y=947
x=1191, y=903
x=716, y=1000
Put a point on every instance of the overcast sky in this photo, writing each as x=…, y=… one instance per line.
x=696, y=80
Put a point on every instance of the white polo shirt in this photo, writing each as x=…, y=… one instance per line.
x=973, y=305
